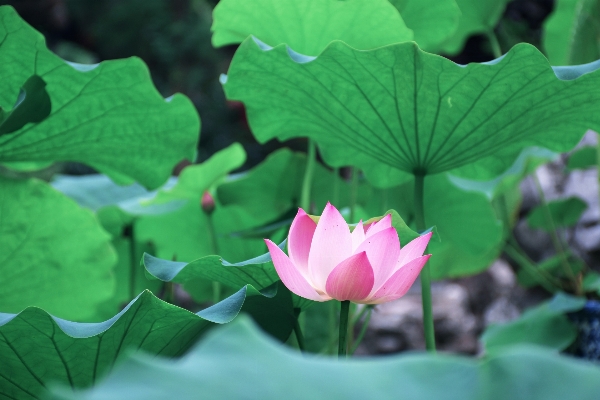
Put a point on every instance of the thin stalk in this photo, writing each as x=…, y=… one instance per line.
x=363, y=328
x=384, y=200
x=299, y=335
x=494, y=43
x=514, y=252
x=335, y=197
x=343, y=335
x=169, y=291
x=311, y=159
x=132, y=264
x=332, y=337
x=353, y=193
x=558, y=247
x=425, y=273
x=212, y=236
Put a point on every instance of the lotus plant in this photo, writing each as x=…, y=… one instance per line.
x=327, y=261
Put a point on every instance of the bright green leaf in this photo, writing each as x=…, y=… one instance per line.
x=585, y=157
x=412, y=111
x=309, y=26
x=564, y=213
x=107, y=115
x=432, y=21
x=237, y=361
x=55, y=255
x=571, y=32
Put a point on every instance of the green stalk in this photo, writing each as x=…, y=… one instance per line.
x=311, y=159
x=494, y=43
x=331, y=320
x=343, y=335
x=299, y=335
x=212, y=236
x=335, y=197
x=555, y=239
x=425, y=273
x=364, y=326
x=547, y=282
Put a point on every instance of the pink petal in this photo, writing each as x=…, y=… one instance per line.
x=352, y=279
x=383, y=249
x=400, y=282
x=358, y=236
x=290, y=276
x=331, y=244
x=415, y=248
x=380, y=225
x=299, y=240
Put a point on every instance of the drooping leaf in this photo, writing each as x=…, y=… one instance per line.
x=412, y=111
x=107, y=115
x=432, y=21
x=54, y=254
x=571, y=32
x=544, y=325
x=309, y=26
x=239, y=351
x=583, y=158
x=33, y=105
x=477, y=17
x=564, y=213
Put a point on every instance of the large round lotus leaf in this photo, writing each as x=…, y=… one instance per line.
x=414, y=111
x=107, y=115
x=571, y=32
x=432, y=21
x=308, y=26
x=55, y=255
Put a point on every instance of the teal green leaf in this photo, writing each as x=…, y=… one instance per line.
x=107, y=115
x=239, y=350
x=477, y=17
x=591, y=282
x=432, y=21
x=585, y=157
x=55, y=255
x=571, y=32
x=412, y=111
x=33, y=105
x=308, y=27
x=38, y=349
x=544, y=325
x=564, y=213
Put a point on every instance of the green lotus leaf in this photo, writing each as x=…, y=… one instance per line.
x=477, y=17
x=39, y=349
x=308, y=27
x=544, y=325
x=583, y=158
x=413, y=111
x=571, y=32
x=107, y=115
x=55, y=254
x=432, y=21
x=33, y=105
x=563, y=213
x=232, y=362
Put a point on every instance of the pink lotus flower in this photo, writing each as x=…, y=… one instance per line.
x=327, y=262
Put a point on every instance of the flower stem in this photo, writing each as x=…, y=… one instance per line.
x=363, y=328
x=311, y=158
x=425, y=274
x=331, y=320
x=494, y=43
x=342, y=345
x=216, y=286
x=298, y=333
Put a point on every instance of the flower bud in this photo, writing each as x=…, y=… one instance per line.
x=207, y=203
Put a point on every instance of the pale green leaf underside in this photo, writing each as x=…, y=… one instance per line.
x=414, y=111
x=238, y=361
x=107, y=115
x=571, y=32
x=55, y=255
x=432, y=21
x=308, y=26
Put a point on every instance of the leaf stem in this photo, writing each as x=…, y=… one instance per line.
x=331, y=320
x=425, y=275
x=353, y=194
x=363, y=328
x=311, y=158
x=343, y=335
x=514, y=251
x=216, y=286
x=298, y=333
x=335, y=197
x=494, y=43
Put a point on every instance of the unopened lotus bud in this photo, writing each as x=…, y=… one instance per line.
x=207, y=203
